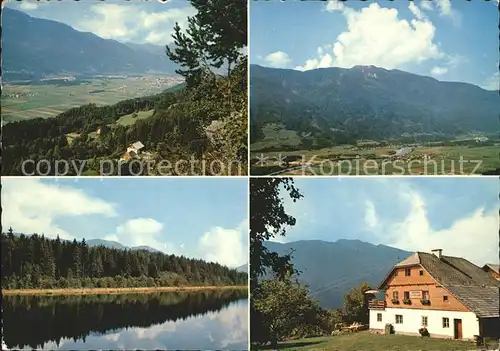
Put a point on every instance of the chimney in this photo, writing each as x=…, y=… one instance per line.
x=437, y=252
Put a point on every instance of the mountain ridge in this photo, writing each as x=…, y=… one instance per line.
x=367, y=102
x=330, y=269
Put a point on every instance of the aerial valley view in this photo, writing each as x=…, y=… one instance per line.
x=86, y=93
x=417, y=96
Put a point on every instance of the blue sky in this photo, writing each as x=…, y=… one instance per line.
x=196, y=217
x=457, y=214
x=135, y=21
x=449, y=40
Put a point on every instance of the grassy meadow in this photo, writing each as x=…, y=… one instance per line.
x=442, y=160
x=27, y=101
x=367, y=341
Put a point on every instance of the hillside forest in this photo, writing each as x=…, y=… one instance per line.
x=37, y=262
x=204, y=119
x=334, y=106
x=280, y=307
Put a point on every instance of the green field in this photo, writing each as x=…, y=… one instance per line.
x=28, y=101
x=128, y=120
x=344, y=160
x=367, y=341
x=276, y=136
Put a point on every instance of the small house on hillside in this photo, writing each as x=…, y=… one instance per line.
x=403, y=152
x=449, y=296
x=132, y=151
x=493, y=269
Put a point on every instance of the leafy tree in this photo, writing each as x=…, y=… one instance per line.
x=268, y=219
x=286, y=309
x=355, y=307
x=213, y=37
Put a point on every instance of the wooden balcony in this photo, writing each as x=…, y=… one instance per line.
x=376, y=305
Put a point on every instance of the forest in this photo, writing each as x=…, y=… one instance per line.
x=37, y=262
x=206, y=119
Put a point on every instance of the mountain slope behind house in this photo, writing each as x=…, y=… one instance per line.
x=330, y=269
x=34, y=48
x=366, y=102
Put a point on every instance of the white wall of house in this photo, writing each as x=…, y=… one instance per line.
x=412, y=321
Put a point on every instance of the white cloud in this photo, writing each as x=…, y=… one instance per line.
x=445, y=10
x=132, y=23
x=416, y=11
x=142, y=232
x=278, y=59
x=492, y=82
x=233, y=322
x=474, y=237
x=371, y=219
x=31, y=206
x=377, y=36
x=437, y=71
x=28, y=6
x=426, y=5
x=226, y=246
x=334, y=5
x=444, y=7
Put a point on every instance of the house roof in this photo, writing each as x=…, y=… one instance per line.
x=483, y=301
x=470, y=284
x=137, y=145
x=494, y=267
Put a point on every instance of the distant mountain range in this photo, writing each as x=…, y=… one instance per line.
x=330, y=269
x=242, y=268
x=116, y=245
x=367, y=102
x=34, y=48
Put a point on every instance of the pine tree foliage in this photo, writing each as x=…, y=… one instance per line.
x=33, y=261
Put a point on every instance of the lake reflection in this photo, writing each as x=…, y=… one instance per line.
x=202, y=320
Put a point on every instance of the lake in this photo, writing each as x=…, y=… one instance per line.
x=196, y=320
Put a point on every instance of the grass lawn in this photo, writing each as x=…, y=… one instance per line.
x=367, y=341
x=129, y=119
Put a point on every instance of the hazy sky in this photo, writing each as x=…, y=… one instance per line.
x=449, y=40
x=203, y=218
x=459, y=215
x=135, y=21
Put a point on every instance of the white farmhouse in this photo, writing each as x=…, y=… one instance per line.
x=449, y=296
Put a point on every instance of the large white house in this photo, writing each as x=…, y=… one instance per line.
x=449, y=296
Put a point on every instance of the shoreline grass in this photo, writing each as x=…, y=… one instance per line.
x=89, y=291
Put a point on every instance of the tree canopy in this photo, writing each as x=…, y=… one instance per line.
x=33, y=261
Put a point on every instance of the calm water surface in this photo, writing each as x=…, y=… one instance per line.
x=175, y=321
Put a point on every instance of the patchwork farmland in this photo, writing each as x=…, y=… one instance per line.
x=26, y=100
